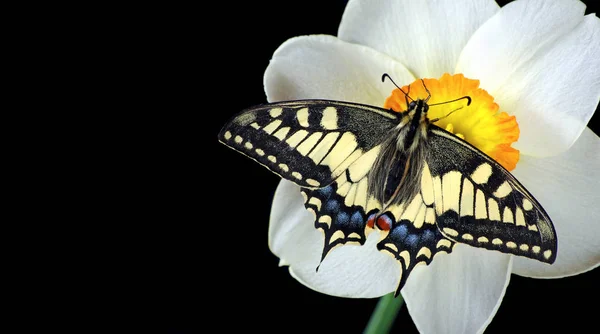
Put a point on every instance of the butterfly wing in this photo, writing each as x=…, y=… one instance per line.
x=309, y=142
x=479, y=203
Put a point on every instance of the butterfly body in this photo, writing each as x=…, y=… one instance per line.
x=361, y=168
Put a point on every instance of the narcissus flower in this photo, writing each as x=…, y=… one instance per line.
x=532, y=68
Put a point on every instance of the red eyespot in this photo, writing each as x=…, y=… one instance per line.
x=384, y=223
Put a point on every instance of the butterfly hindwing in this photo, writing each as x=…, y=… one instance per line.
x=481, y=204
x=341, y=224
x=344, y=208
x=414, y=238
x=309, y=142
x=341, y=209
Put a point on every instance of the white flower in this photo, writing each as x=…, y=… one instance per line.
x=540, y=60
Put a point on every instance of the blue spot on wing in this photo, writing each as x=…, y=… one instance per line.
x=343, y=218
x=411, y=240
x=357, y=219
x=427, y=236
x=332, y=206
x=400, y=232
x=326, y=192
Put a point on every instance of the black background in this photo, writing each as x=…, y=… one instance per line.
x=207, y=264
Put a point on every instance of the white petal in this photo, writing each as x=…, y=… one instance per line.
x=567, y=186
x=459, y=292
x=325, y=67
x=555, y=94
x=426, y=36
x=513, y=36
x=348, y=271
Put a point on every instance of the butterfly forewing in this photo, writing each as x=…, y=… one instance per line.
x=309, y=142
x=480, y=203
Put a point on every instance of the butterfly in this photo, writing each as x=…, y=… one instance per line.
x=362, y=167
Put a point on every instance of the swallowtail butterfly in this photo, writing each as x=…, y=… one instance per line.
x=361, y=167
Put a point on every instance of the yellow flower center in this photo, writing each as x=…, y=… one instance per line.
x=481, y=123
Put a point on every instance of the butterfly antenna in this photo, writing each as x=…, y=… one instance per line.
x=427, y=90
x=460, y=98
x=385, y=75
x=448, y=114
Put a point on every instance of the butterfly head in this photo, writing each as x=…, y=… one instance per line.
x=419, y=106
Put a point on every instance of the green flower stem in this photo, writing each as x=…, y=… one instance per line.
x=384, y=314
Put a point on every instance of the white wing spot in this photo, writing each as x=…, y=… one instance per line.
x=275, y=112
x=296, y=138
x=524, y=247
x=336, y=235
x=248, y=145
x=444, y=243
x=527, y=204
x=424, y=251
x=349, y=199
x=309, y=143
x=497, y=241
x=503, y=190
x=420, y=219
x=282, y=133
x=547, y=254
x=325, y=219
x=284, y=167
x=430, y=216
x=467, y=236
x=238, y=139
x=480, y=207
x=260, y=152
x=330, y=118
x=536, y=249
x=302, y=117
x=297, y=175
x=450, y=232
x=322, y=148
x=312, y=182
x=511, y=244
x=520, y=217
x=482, y=173
x=406, y=256
x=508, y=216
x=272, y=126
x=532, y=228
x=227, y=135
x=466, y=199
x=255, y=125
x=315, y=201
x=451, y=190
x=340, y=151
x=493, y=210
x=272, y=159
x=483, y=240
